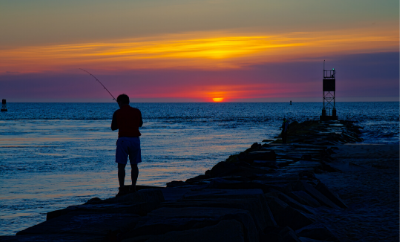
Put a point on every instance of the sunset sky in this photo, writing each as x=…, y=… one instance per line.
x=198, y=50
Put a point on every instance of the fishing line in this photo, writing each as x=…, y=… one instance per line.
x=99, y=82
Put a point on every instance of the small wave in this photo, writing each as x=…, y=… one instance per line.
x=387, y=135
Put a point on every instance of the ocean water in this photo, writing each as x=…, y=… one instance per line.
x=53, y=155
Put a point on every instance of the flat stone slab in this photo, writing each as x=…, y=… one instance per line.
x=141, y=196
x=293, y=203
x=318, y=232
x=182, y=218
x=226, y=230
x=224, y=193
x=138, y=208
x=52, y=238
x=233, y=194
x=305, y=164
x=253, y=205
x=285, y=215
x=87, y=223
x=288, y=235
x=304, y=198
x=139, y=202
x=302, y=185
x=267, y=163
x=330, y=195
x=171, y=194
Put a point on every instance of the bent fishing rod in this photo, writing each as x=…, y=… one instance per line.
x=99, y=82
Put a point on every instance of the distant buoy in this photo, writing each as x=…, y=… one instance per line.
x=3, y=105
x=290, y=102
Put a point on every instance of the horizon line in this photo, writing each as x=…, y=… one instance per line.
x=203, y=102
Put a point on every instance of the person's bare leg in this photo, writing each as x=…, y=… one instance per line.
x=134, y=176
x=121, y=174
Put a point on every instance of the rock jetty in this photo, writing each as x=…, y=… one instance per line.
x=268, y=192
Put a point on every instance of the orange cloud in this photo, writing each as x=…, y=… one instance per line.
x=197, y=50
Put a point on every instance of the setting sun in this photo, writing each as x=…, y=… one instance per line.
x=218, y=99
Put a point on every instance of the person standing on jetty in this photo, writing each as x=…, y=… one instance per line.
x=285, y=125
x=128, y=120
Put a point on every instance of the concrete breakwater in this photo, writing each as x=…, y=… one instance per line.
x=267, y=193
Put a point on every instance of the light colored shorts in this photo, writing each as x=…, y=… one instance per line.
x=128, y=146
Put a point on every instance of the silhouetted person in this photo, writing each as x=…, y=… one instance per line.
x=127, y=120
x=285, y=125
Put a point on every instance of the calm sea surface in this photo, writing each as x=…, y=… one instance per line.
x=53, y=155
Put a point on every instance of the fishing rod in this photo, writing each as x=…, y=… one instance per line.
x=99, y=82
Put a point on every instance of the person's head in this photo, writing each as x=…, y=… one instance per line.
x=122, y=99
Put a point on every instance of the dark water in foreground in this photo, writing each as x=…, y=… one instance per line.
x=61, y=154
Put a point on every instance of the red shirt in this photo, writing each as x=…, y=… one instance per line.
x=127, y=120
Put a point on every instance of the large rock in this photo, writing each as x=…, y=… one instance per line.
x=304, y=198
x=52, y=238
x=234, y=194
x=222, y=169
x=293, y=203
x=330, y=195
x=253, y=205
x=57, y=213
x=175, y=193
x=224, y=193
x=287, y=216
x=305, y=164
x=318, y=232
x=221, y=183
x=295, y=219
x=288, y=235
x=198, y=180
x=305, y=239
x=138, y=208
x=176, y=184
x=165, y=220
x=140, y=202
x=271, y=233
x=257, y=155
x=145, y=195
x=277, y=207
x=267, y=163
x=225, y=230
x=87, y=223
x=302, y=185
x=240, y=170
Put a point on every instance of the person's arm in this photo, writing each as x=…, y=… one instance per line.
x=141, y=120
x=114, y=125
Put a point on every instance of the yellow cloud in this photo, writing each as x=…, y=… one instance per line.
x=197, y=51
